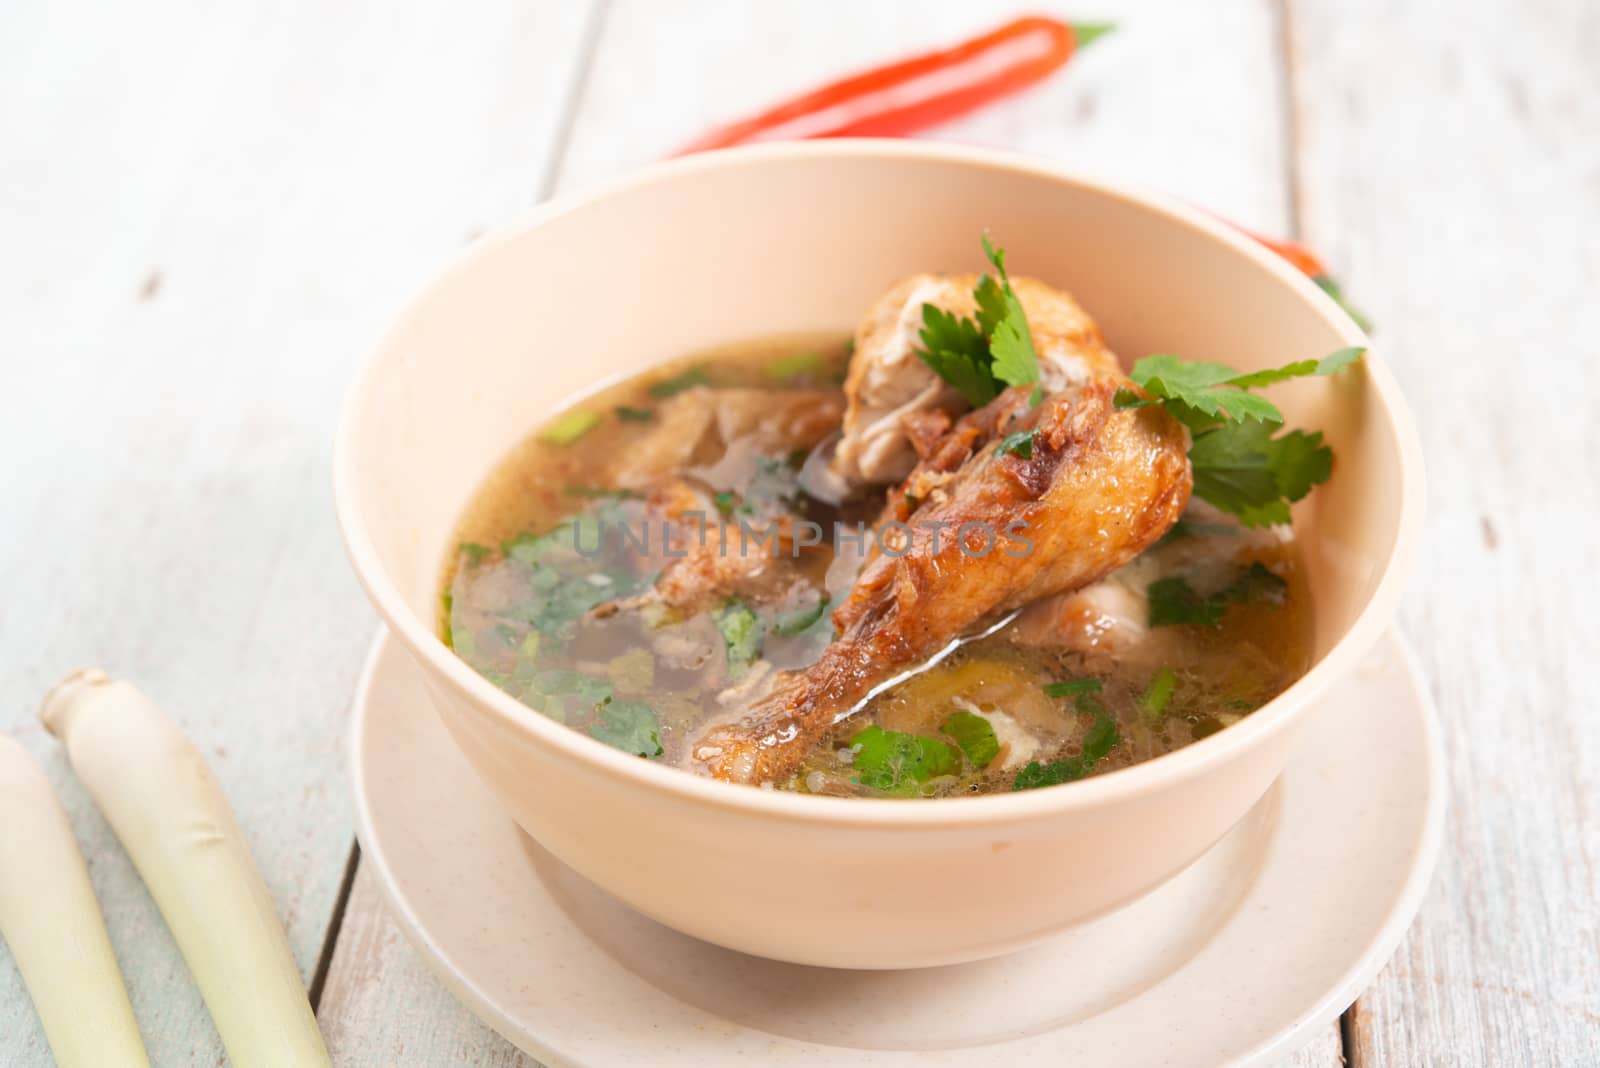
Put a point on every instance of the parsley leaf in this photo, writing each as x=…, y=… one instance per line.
x=979, y=356
x=1246, y=471
x=742, y=632
x=1173, y=602
x=898, y=763
x=630, y=726
x=1010, y=340
x=1103, y=737
x=1018, y=444
x=1203, y=393
x=958, y=352
x=1330, y=364
x=974, y=734
x=1239, y=465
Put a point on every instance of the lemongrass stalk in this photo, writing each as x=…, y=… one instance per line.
x=160, y=796
x=51, y=920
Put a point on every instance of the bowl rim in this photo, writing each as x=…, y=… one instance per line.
x=1145, y=778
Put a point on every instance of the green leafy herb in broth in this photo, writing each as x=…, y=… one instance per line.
x=530, y=596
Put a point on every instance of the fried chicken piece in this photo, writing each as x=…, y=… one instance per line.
x=1101, y=484
x=896, y=405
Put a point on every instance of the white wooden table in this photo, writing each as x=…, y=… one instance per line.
x=208, y=211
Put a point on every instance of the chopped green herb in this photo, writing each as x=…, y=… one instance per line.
x=1018, y=444
x=958, y=352
x=1255, y=476
x=1153, y=705
x=742, y=633
x=725, y=502
x=799, y=365
x=1239, y=465
x=1103, y=737
x=586, y=688
x=630, y=414
x=630, y=726
x=1071, y=687
x=474, y=552
x=974, y=734
x=898, y=763
x=799, y=620
x=569, y=427
x=1010, y=340
x=667, y=387
x=980, y=356
x=1173, y=602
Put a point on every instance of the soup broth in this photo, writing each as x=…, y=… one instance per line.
x=554, y=595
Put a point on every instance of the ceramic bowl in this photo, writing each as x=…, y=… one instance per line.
x=776, y=239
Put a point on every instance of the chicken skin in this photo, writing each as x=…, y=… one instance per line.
x=976, y=533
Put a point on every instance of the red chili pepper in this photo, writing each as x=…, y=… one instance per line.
x=925, y=90
x=919, y=92
x=1296, y=253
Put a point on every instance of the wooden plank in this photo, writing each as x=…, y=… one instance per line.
x=1449, y=166
x=1220, y=115
x=382, y=1006
x=209, y=212
x=1325, y=1050
x=1144, y=104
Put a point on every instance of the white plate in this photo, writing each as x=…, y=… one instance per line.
x=1238, y=960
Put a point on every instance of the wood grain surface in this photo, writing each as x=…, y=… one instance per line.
x=1449, y=162
x=208, y=213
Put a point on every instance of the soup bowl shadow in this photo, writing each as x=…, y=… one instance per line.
x=791, y=238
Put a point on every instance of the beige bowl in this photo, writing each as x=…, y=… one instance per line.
x=798, y=237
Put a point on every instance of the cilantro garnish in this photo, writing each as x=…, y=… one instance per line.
x=742, y=632
x=1103, y=737
x=1239, y=465
x=667, y=387
x=979, y=357
x=1018, y=444
x=1245, y=470
x=630, y=726
x=897, y=763
x=974, y=734
x=1173, y=602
